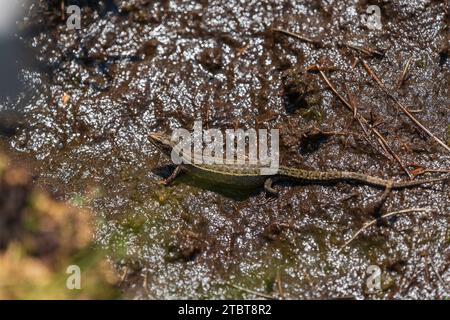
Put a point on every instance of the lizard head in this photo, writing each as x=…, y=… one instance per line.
x=161, y=141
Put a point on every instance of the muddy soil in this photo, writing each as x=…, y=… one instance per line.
x=92, y=96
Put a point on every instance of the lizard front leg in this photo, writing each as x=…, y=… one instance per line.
x=178, y=170
x=268, y=186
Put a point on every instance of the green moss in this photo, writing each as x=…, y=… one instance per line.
x=314, y=101
x=77, y=200
x=312, y=115
x=133, y=224
x=421, y=63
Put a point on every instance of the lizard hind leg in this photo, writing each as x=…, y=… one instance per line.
x=377, y=207
x=177, y=172
x=268, y=186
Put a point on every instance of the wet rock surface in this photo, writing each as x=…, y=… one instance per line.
x=140, y=66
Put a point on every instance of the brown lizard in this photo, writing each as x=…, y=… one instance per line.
x=249, y=175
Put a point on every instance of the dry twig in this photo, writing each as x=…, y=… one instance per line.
x=362, y=121
x=419, y=170
x=367, y=51
x=280, y=285
x=404, y=74
x=401, y=106
x=298, y=36
x=430, y=262
x=256, y=293
x=367, y=225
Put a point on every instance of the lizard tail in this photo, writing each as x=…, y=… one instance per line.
x=389, y=183
x=413, y=183
x=325, y=176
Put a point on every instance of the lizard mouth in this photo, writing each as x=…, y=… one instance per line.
x=156, y=138
x=160, y=141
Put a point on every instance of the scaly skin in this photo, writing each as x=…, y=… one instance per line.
x=250, y=175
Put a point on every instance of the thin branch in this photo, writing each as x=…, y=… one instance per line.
x=384, y=142
x=404, y=74
x=280, y=285
x=419, y=170
x=367, y=225
x=256, y=293
x=401, y=106
x=361, y=124
x=447, y=288
x=367, y=51
x=298, y=36
x=124, y=276
x=380, y=139
x=145, y=285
